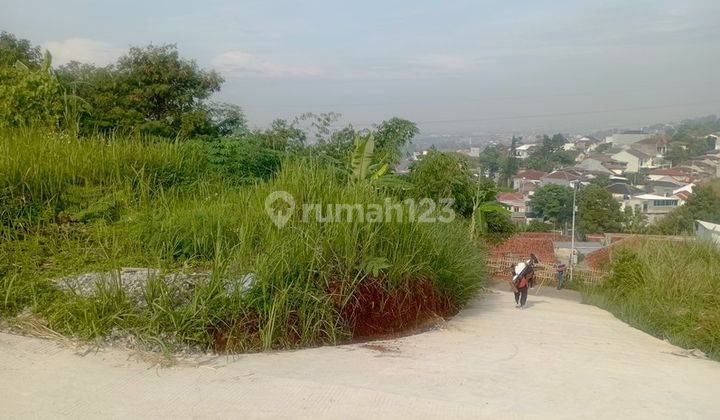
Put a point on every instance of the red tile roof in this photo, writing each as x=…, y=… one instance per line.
x=510, y=196
x=563, y=175
x=683, y=195
x=530, y=174
x=669, y=171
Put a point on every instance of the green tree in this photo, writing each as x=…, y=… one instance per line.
x=150, y=89
x=601, y=180
x=634, y=221
x=538, y=226
x=392, y=136
x=13, y=50
x=510, y=166
x=282, y=136
x=552, y=202
x=491, y=160
x=703, y=205
x=29, y=95
x=549, y=155
x=598, y=211
x=444, y=175
x=489, y=218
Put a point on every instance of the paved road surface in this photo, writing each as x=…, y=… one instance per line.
x=558, y=359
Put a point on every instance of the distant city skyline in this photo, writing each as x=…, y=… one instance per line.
x=462, y=66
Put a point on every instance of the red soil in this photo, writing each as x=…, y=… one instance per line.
x=373, y=311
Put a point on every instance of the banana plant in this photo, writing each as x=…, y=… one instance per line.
x=484, y=204
x=364, y=168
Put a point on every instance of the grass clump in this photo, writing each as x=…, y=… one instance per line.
x=668, y=289
x=102, y=203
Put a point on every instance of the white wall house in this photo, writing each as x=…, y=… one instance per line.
x=715, y=138
x=708, y=232
x=625, y=139
x=655, y=207
x=634, y=160
x=523, y=151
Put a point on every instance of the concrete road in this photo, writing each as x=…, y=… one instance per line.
x=556, y=359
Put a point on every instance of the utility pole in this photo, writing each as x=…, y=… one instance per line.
x=572, y=239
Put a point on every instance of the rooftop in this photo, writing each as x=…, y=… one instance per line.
x=530, y=174
x=622, y=188
x=638, y=154
x=510, y=196
x=563, y=174
x=654, y=197
x=676, y=171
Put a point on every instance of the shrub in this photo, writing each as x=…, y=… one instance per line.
x=98, y=204
x=668, y=289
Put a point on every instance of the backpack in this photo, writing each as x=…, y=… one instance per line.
x=522, y=282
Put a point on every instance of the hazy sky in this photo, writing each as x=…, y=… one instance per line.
x=449, y=65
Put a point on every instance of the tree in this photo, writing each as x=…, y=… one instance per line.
x=226, y=119
x=392, y=136
x=601, y=180
x=491, y=160
x=676, y=154
x=489, y=217
x=598, y=211
x=336, y=146
x=703, y=205
x=282, y=136
x=603, y=148
x=553, y=202
x=444, y=175
x=510, y=165
x=150, y=89
x=13, y=50
x=538, y=226
x=634, y=221
x=29, y=95
x=549, y=155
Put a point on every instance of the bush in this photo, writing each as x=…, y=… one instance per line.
x=102, y=203
x=538, y=226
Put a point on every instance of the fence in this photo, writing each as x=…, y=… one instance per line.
x=502, y=268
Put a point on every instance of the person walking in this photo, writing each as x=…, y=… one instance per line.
x=521, y=291
x=560, y=274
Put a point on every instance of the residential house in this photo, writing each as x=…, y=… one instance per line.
x=634, y=159
x=684, y=193
x=663, y=187
x=524, y=151
x=564, y=177
x=655, y=207
x=655, y=146
x=626, y=138
x=595, y=166
x=708, y=232
x=622, y=191
x=677, y=173
x=528, y=176
x=517, y=203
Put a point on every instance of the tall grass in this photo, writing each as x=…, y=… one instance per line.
x=41, y=172
x=668, y=289
x=102, y=203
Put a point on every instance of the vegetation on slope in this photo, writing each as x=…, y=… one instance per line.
x=668, y=289
x=72, y=206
